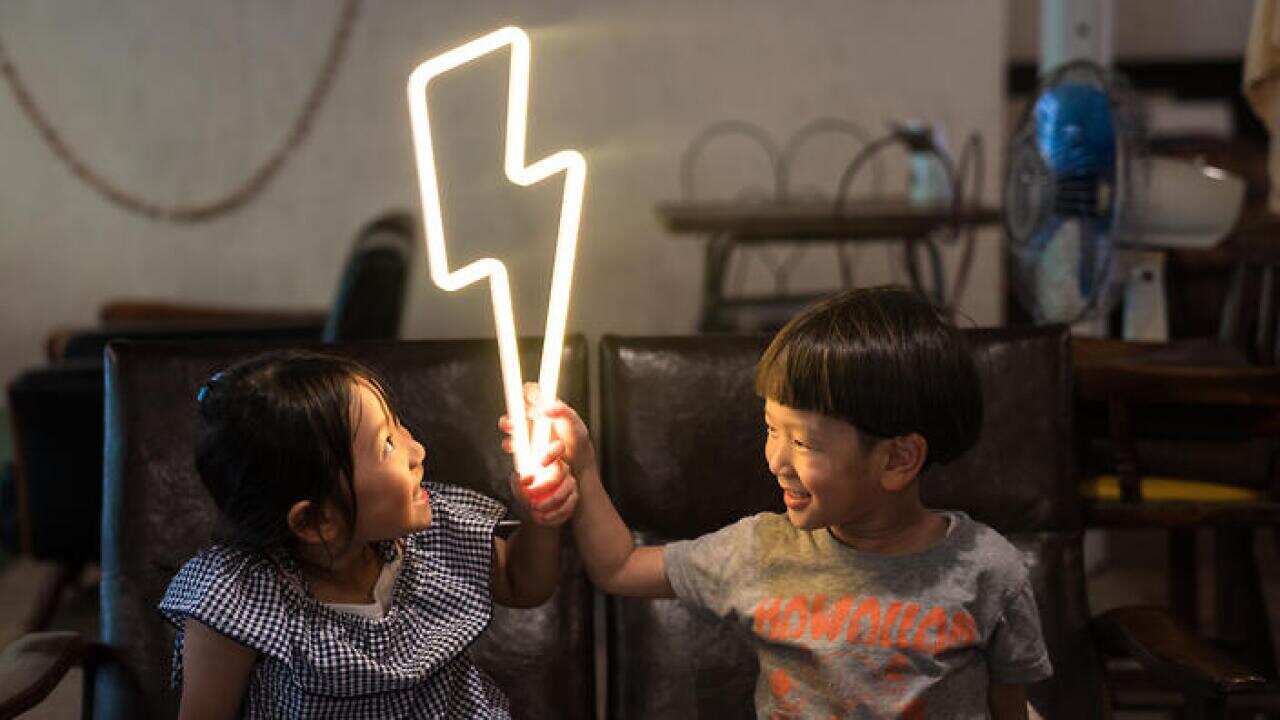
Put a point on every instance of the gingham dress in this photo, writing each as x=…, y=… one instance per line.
x=317, y=662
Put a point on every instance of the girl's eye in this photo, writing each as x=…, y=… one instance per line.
x=770, y=430
x=801, y=444
x=388, y=446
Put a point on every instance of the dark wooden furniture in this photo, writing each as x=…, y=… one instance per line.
x=157, y=515
x=1172, y=408
x=729, y=226
x=682, y=454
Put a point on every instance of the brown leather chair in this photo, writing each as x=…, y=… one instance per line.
x=157, y=515
x=682, y=450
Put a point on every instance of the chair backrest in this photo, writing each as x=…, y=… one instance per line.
x=157, y=515
x=1254, y=327
x=682, y=448
x=370, y=297
x=56, y=413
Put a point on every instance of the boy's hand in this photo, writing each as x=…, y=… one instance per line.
x=566, y=427
x=552, y=495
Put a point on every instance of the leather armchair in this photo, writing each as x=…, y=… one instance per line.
x=682, y=449
x=156, y=515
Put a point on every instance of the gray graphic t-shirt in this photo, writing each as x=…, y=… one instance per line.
x=849, y=634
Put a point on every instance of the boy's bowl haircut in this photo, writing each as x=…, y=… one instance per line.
x=886, y=361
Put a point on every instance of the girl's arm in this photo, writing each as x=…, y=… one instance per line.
x=526, y=566
x=215, y=672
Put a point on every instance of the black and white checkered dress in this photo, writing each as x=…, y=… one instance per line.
x=317, y=662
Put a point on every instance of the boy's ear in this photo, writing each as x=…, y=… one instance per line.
x=903, y=457
x=310, y=523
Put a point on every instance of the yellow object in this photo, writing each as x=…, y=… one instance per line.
x=526, y=447
x=1158, y=488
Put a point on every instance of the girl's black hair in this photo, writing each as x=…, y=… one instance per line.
x=275, y=429
x=884, y=360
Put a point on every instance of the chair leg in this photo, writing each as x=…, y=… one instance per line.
x=718, y=251
x=50, y=595
x=1184, y=598
x=89, y=682
x=1241, y=610
x=1120, y=427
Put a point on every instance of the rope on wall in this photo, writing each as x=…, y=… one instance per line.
x=229, y=202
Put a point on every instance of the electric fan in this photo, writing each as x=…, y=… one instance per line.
x=1084, y=204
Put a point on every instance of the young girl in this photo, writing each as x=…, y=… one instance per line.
x=342, y=584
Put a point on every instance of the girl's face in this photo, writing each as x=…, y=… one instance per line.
x=826, y=475
x=390, y=499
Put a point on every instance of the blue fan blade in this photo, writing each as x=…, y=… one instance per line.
x=1074, y=130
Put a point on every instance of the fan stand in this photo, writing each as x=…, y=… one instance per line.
x=1146, y=316
x=1094, y=326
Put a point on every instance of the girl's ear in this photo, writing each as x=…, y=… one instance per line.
x=903, y=459
x=311, y=523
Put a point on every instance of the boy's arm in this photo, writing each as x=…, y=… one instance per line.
x=613, y=561
x=1016, y=653
x=1007, y=702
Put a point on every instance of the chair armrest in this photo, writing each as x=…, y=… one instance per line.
x=1163, y=379
x=144, y=320
x=91, y=343
x=1172, y=653
x=33, y=665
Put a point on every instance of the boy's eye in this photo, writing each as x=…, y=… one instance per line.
x=802, y=444
x=771, y=430
x=388, y=446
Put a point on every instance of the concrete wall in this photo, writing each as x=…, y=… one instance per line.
x=179, y=99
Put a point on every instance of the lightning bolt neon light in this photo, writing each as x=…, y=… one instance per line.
x=570, y=162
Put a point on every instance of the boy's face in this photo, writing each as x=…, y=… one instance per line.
x=389, y=465
x=827, y=477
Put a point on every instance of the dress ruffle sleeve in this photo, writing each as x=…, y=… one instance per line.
x=233, y=592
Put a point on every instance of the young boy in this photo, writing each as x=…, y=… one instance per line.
x=913, y=613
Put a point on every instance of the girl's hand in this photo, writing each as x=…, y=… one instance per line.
x=566, y=427
x=552, y=495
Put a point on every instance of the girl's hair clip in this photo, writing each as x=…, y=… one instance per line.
x=203, y=392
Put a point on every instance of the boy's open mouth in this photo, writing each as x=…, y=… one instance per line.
x=795, y=498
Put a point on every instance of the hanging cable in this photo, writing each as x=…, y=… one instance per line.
x=232, y=200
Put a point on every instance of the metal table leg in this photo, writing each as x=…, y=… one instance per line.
x=719, y=249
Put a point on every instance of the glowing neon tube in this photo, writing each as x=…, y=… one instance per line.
x=526, y=447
